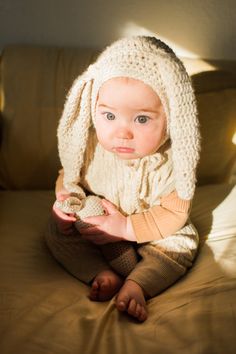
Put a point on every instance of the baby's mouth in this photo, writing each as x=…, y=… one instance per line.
x=123, y=149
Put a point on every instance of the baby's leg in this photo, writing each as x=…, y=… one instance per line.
x=84, y=261
x=79, y=257
x=163, y=263
x=121, y=256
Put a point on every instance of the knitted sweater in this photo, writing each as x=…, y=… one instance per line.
x=141, y=188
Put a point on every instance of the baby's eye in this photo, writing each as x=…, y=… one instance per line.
x=110, y=116
x=142, y=119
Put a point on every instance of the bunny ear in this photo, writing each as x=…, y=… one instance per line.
x=183, y=123
x=73, y=133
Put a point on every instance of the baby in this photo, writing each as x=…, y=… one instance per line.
x=128, y=134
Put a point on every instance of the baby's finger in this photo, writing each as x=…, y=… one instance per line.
x=62, y=196
x=109, y=207
x=94, y=220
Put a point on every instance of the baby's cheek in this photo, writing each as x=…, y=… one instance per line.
x=152, y=144
x=100, y=136
x=103, y=138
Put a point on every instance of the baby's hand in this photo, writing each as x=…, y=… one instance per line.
x=64, y=222
x=111, y=227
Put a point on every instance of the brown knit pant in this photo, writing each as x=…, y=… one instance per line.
x=161, y=263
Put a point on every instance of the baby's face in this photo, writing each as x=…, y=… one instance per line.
x=130, y=119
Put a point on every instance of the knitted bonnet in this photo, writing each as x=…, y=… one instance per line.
x=154, y=63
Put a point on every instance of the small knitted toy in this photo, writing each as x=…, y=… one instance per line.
x=120, y=255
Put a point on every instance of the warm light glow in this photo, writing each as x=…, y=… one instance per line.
x=234, y=139
x=193, y=62
x=131, y=29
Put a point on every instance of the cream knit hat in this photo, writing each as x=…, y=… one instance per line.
x=153, y=62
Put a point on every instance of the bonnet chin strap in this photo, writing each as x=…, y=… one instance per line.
x=73, y=133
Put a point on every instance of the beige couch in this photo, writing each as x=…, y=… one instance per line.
x=43, y=309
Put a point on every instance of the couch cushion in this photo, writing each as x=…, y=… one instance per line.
x=35, y=82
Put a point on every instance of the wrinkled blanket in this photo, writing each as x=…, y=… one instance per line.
x=43, y=309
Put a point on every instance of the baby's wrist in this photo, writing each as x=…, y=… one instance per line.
x=62, y=194
x=130, y=231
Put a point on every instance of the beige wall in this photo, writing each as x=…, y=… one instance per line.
x=205, y=28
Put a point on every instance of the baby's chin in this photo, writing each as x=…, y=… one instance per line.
x=127, y=158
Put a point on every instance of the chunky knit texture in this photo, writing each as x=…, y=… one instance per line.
x=121, y=255
x=91, y=206
x=153, y=62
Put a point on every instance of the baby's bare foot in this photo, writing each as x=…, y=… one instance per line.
x=131, y=299
x=105, y=285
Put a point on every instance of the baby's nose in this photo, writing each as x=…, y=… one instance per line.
x=124, y=133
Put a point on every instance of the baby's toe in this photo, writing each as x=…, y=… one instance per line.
x=105, y=285
x=138, y=311
x=143, y=314
x=132, y=308
x=95, y=285
x=122, y=302
x=94, y=291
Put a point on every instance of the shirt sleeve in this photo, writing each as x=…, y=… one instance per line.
x=162, y=220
